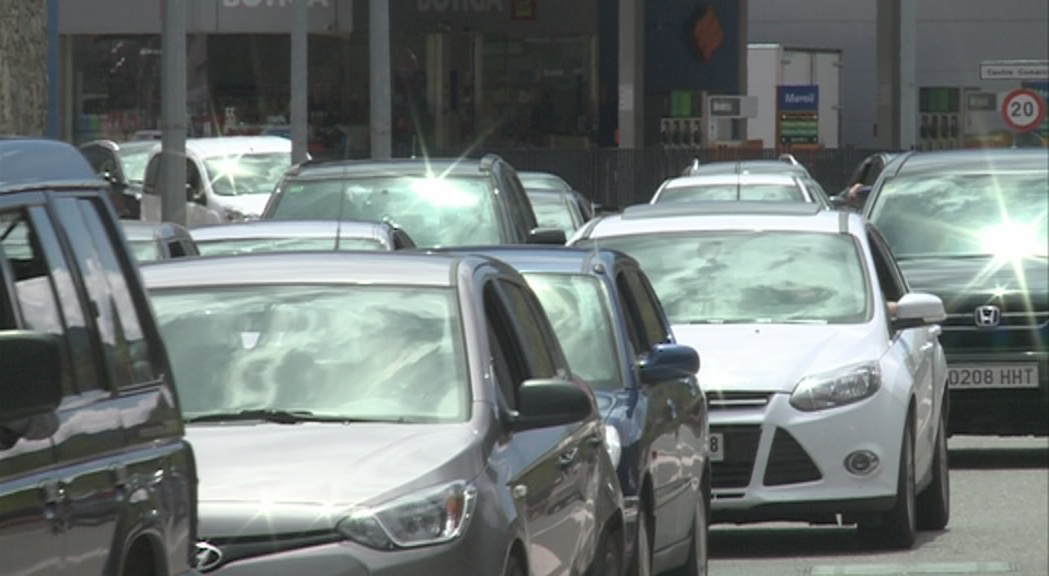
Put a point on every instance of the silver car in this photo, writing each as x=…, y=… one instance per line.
x=384, y=413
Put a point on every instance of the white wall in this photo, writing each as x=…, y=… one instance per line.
x=953, y=36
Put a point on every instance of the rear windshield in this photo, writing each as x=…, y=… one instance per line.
x=758, y=192
x=434, y=211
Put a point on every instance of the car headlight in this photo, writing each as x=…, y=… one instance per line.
x=839, y=388
x=431, y=516
x=613, y=444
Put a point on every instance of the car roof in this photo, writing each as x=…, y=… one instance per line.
x=227, y=145
x=141, y=230
x=744, y=179
x=762, y=166
x=972, y=161
x=556, y=259
x=734, y=215
x=270, y=268
x=397, y=166
x=36, y=163
x=289, y=229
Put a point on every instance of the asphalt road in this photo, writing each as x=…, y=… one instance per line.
x=999, y=525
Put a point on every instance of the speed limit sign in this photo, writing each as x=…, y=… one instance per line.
x=1023, y=110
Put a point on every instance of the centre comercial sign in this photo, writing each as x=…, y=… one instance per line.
x=202, y=16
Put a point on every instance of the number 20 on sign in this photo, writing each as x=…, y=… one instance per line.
x=1023, y=110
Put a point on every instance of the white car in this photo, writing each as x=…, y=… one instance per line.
x=822, y=402
x=740, y=185
x=228, y=179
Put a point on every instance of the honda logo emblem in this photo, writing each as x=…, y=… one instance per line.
x=987, y=316
x=207, y=557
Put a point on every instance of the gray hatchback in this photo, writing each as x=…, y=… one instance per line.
x=385, y=414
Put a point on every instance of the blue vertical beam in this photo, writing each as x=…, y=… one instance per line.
x=52, y=69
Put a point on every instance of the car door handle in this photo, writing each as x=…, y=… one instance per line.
x=566, y=458
x=55, y=498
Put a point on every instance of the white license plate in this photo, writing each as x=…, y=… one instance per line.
x=716, y=443
x=963, y=376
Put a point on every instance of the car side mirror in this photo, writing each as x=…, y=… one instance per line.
x=918, y=309
x=548, y=402
x=30, y=375
x=668, y=362
x=547, y=236
x=839, y=202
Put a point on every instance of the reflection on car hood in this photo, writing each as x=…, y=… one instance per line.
x=307, y=475
x=773, y=357
x=247, y=204
x=963, y=283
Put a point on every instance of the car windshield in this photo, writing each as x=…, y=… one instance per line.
x=1000, y=214
x=242, y=174
x=543, y=182
x=577, y=306
x=248, y=245
x=759, y=192
x=752, y=277
x=144, y=250
x=434, y=211
x=551, y=211
x=349, y=351
x=134, y=164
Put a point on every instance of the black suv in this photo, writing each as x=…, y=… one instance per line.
x=95, y=475
x=437, y=202
x=970, y=227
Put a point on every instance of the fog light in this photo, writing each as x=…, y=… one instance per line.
x=861, y=462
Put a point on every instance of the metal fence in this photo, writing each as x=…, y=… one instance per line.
x=618, y=177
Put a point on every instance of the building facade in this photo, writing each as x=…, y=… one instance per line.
x=952, y=38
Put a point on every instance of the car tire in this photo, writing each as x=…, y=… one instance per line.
x=513, y=567
x=898, y=526
x=641, y=563
x=609, y=558
x=698, y=551
x=934, y=503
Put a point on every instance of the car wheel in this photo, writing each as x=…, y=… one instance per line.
x=609, y=558
x=696, y=565
x=934, y=503
x=641, y=564
x=899, y=525
x=513, y=568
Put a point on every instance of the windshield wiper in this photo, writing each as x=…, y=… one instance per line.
x=755, y=321
x=283, y=417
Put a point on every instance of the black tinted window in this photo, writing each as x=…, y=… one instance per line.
x=34, y=289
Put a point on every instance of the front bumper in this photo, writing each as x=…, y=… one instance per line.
x=344, y=558
x=783, y=464
x=1000, y=411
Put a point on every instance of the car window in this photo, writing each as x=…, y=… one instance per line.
x=240, y=174
x=578, y=308
x=649, y=309
x=434, y=211
x=542, y=181
x=371, y=352
x=509, y=366
x=134, y=162
x=34, y=289
x=536, y=340
x=520, y=207
x=1000, y=214
x=551, y=211
x=752, y=276
x=890, y=280
x=758, y=192
x=125, y=349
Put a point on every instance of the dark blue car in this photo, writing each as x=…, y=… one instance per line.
x=616, y=338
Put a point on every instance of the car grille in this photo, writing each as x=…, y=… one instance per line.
x=741, y=448
x=788, y=462
x=1009, y=320
x=737, y=400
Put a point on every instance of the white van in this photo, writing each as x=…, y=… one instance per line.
x=228, y=179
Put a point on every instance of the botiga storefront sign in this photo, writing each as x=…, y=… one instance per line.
x=797, y=115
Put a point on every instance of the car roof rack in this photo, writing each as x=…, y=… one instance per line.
x=488, y=161
x=720, y=208
x=789, y=159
